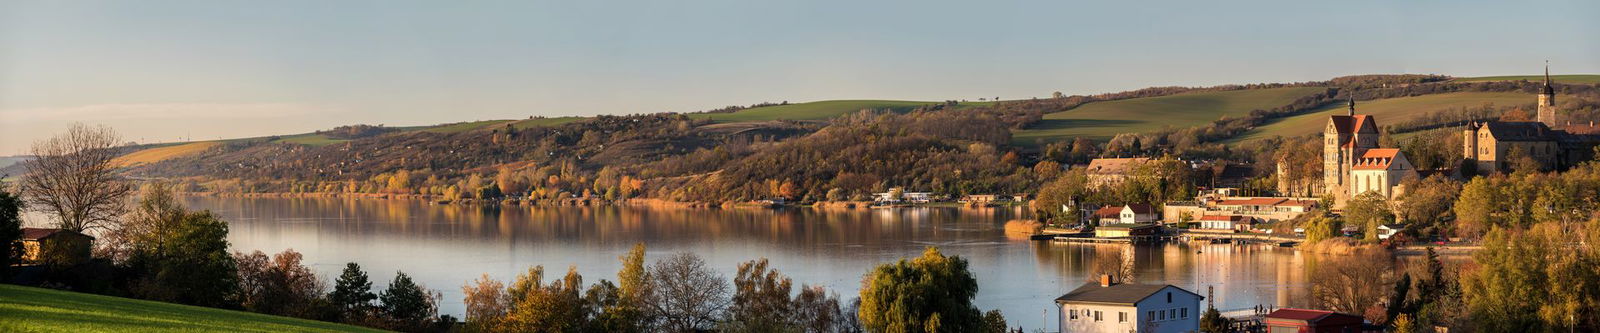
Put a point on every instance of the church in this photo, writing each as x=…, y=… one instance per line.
x=1553, y=143
x=1353, y=164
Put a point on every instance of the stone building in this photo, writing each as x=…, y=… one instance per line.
x=1344, y=141
x=1492, y=147
x=1380, y=170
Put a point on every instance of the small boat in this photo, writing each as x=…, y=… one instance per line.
x=1042, y=237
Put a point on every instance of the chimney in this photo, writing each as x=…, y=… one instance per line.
x=1105, y=280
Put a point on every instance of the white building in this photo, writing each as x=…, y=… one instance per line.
x=1138, y=213
x=1380, y=170
x=1226, y=222
x=1113, y=307
x=912, y=197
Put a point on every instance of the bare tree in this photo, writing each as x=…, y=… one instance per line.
x=1354, y=283
x=74, y=179
x=687, y=295
x=1119, y=265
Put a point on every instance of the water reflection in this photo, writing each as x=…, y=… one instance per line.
x=445, y=246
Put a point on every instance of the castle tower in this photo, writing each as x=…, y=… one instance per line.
x=1547, y=100
x=1469, y=142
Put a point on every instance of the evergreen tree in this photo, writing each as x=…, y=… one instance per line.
x=10, y=231
x=352, y=292
x=1213, y=322
x=407, y=306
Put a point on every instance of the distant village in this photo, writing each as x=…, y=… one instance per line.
x=1353, y=164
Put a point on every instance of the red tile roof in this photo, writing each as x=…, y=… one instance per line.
x=1108, y=212
x=1309, y=316
x=1376, y=159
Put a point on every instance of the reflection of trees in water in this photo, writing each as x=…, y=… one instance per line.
x=1241, y=275
x=612, y=224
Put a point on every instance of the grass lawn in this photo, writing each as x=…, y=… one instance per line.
x=1387, y=111
x=1575, y=78
x=27, y=309
x=161, y=153
x=817, y=110
x=1103, y=120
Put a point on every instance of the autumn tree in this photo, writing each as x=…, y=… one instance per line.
x=73, y=178
x=1368, y=211
x=177, y=255
x=281, y=286
x=932, y=293
x=1351, y=284
x=1428, y=202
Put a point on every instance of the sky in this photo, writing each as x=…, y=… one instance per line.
x=161, y=71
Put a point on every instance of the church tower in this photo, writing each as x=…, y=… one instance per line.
x=1547, y=100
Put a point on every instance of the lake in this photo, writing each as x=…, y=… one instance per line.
x=445, y=246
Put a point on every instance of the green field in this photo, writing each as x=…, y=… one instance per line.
x=27, y=309
x=1384, y=110
x=464, y=126
x=309, y=139
x=544, y=122
x=1103, y=120
x=817, y=110
x=1575, y=78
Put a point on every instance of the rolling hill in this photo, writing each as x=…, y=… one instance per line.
x=27, y=309
x=1386, y=110
x=817, y=110
x=1103, y=120
x=1570, y=79
x=157, y=154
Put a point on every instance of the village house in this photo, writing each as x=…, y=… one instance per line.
x=1111, y=171
x=54, y=246
x=911, y=197
x=1262, y=209
x=1227, y=222
x=1138, y=213
x=1389, y=230
x=979, y=199
x=1105, y=306
x=1107, y=215
x=1313, y=321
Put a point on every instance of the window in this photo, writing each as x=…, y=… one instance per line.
x=1150, y=315
x=1072, y=314
x=1172, y=313
x=1097, y=316
x=1169, y=297
x=1185, y=313
x=1122, y=317
x=1161, y=315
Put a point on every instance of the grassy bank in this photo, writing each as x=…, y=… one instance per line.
x=26, y=309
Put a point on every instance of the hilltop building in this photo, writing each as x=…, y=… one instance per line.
x=1128, y=307
x=1488, y=146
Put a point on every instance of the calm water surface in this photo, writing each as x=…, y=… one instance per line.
x=443, y=247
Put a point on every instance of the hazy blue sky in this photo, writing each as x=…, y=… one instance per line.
x=159, y=70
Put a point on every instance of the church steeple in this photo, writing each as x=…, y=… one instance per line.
x=1352, y=106
x=1548, y=90
x=1547, y=100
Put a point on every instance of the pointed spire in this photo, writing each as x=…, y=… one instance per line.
x=1352, y=106
x=1548, y=90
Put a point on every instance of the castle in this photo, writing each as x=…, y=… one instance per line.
x=1488, y=147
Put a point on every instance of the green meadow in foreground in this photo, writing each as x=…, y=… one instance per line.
x=1103, y=120
x=27, y=309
